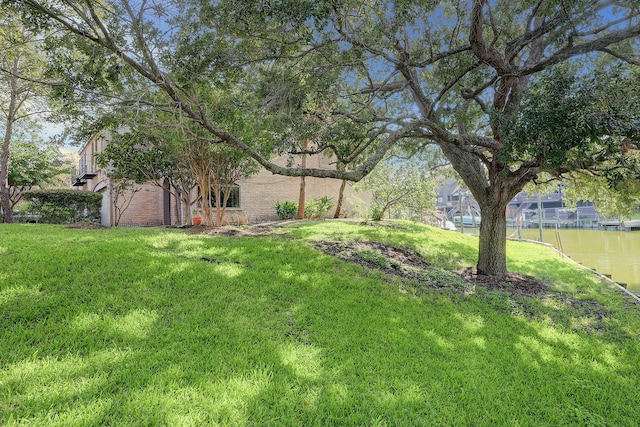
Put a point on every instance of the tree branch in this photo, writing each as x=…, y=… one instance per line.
x=574, y=50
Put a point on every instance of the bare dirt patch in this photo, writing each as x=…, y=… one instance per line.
x=239, y=231
x=373, y=255
x=411, y=265
x=513, y=283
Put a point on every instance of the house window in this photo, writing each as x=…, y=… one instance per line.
x=83, y=164
x=234, y=197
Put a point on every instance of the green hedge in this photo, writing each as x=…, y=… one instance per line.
x=64, y=206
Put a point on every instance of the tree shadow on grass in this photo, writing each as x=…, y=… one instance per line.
x=573, y=308
x=275, y=332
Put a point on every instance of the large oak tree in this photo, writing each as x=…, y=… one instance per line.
x=455, y=74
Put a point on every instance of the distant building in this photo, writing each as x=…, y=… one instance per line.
x=455, y=200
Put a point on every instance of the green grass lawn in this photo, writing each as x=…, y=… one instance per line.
x=158, y=327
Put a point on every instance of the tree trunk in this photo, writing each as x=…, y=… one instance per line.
x=228, y=186
x=380, y=214
x=301, y=198
x=185, y=205
x=5, y=199
x=303, y=184
x=204, y=182
x=493, y=193
x=492, y=250
x=217, y=190
x=340, y=199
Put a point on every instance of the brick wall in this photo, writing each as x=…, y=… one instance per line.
x=144, y=207
x=259, y=193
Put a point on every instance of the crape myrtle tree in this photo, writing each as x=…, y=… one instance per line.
x=450, y=73
x=152, y=148
x=229, y=165
x=150, y=141
x=216, y=169
x=149, y=155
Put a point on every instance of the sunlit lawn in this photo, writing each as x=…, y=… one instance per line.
x=157, y=327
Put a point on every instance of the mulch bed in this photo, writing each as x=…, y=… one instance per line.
x=514, y=283
x=398, y=257
x=228, y=230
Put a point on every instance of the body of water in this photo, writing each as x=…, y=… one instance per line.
x=611, y=252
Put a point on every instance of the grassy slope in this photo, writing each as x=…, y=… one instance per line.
x=153, y=327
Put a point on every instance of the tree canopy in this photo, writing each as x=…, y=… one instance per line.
x=21, y=98
x=33, y=166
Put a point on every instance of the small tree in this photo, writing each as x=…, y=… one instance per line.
x=216, y=169
x=145, y=154
x=400, y=185
x=122, y=190
x=33, y=166
x=229, y=165
x=19, y=97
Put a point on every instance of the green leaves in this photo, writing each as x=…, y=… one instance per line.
x=286, y=210
x=138, y=157
x=405, y=186
x=64, y=206
x=610, y=202
x=574, y=122
x=32, y=165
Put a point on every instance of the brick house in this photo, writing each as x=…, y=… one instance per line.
x=252, y=200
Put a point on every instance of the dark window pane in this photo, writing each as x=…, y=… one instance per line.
x=234, y=197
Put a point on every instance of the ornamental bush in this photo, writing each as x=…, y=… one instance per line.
x=316, y=208
x=286, y=210
x=64, y=206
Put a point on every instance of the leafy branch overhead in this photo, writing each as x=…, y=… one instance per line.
x=572, y=122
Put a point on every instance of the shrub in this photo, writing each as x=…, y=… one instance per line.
x=317, y=207
x=376, y=213
x=286, y=210
x=64, y=206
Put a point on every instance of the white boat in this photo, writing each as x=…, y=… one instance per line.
x=448, y=225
